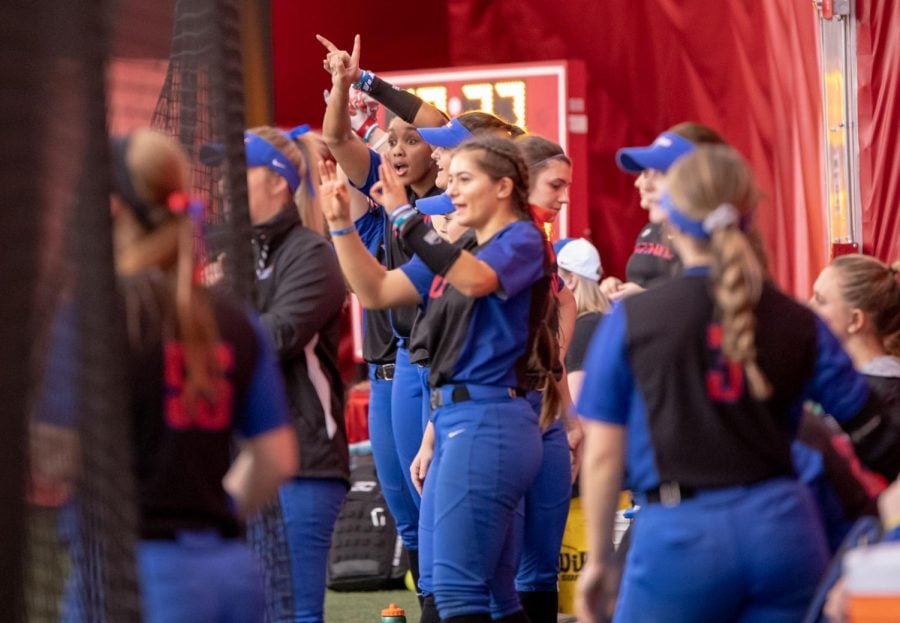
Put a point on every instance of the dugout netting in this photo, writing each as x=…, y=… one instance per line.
x=72, y=73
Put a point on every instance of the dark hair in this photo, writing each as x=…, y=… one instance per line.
x=538, y=152
x=479, y=122
x=499, y=158
x=697, y=133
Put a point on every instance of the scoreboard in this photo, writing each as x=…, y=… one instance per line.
x=545, y=98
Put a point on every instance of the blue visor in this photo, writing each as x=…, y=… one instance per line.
x=262, y=153
x=434, y=206
x=559, y=244
x=449, y=135
x=662, y=154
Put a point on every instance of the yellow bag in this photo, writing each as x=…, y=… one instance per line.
x=571, y=556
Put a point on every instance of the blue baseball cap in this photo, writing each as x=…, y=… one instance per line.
x=660, y=155
x=435, y=206
x=449, y=135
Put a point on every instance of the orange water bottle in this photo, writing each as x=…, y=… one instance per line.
x=393, y=614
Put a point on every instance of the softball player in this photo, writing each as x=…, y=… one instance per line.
x=395, y=426
x=653, y=260
x=706, y=374
x=487, y=437
x=201, y=370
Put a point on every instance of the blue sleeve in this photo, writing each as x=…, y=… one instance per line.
x=372, y=177
x=371, y=227
x=517, y=256
x=608, y=382
x=265, y=405
x=421, y=276
x=835, y=385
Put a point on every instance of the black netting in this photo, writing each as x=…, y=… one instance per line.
x=72, y=72
x=202, y=105
x=75, y=560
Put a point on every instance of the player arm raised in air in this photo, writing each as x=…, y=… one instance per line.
x=411, y=108
x=349, y=151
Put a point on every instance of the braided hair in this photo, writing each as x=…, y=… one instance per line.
x=700, y=182
x=539, y=367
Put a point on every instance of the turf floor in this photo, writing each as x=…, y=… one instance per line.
x=365, y=607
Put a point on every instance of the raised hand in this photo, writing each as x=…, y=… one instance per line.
x=343, y=67
x=334, y=196
x=389, y=191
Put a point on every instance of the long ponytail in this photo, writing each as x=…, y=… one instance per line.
x=714, y=178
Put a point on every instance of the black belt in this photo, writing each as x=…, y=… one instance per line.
x=669, y=494
x=440, y=396
x=385, y=372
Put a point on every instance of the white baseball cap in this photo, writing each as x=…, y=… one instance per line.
x=580, y=257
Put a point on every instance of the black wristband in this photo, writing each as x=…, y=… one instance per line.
x=402, y=103
x=437, y=254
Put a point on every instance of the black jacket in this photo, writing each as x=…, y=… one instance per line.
x=300, y=294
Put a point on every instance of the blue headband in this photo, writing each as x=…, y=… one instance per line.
x=725, y=215
x=262, y=153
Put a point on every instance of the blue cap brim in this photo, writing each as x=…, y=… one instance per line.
x=435, y=206
x=662, y=154
x=449, y=135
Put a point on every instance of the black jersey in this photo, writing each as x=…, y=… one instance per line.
x=484, y=340
x=419, y=338
x=377, y=235
x=652, y=261
x=182, y=453
x=656, y=366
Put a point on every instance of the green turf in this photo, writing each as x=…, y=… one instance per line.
x=365, y=607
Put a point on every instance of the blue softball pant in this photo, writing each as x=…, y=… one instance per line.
x=487, y=454
x=393, y=478
x=546, y=510
x=406, y=416
x=310, y=508
x=199, y=576
x=750, y=554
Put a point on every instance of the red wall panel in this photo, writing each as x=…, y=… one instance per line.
x=878, y=56
x=747, y=69
x=401, y=34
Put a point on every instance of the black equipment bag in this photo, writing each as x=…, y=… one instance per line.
x=366, y=551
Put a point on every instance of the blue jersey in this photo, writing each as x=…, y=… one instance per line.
x=376, y=233
x=484, y=340
x=655, y=365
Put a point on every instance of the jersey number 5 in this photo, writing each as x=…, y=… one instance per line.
x=205, y=414
x=725, y=380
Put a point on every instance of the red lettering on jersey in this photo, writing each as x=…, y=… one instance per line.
x=653, y=248
x=438, y=285
x=725, y=381
x=206, y=414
